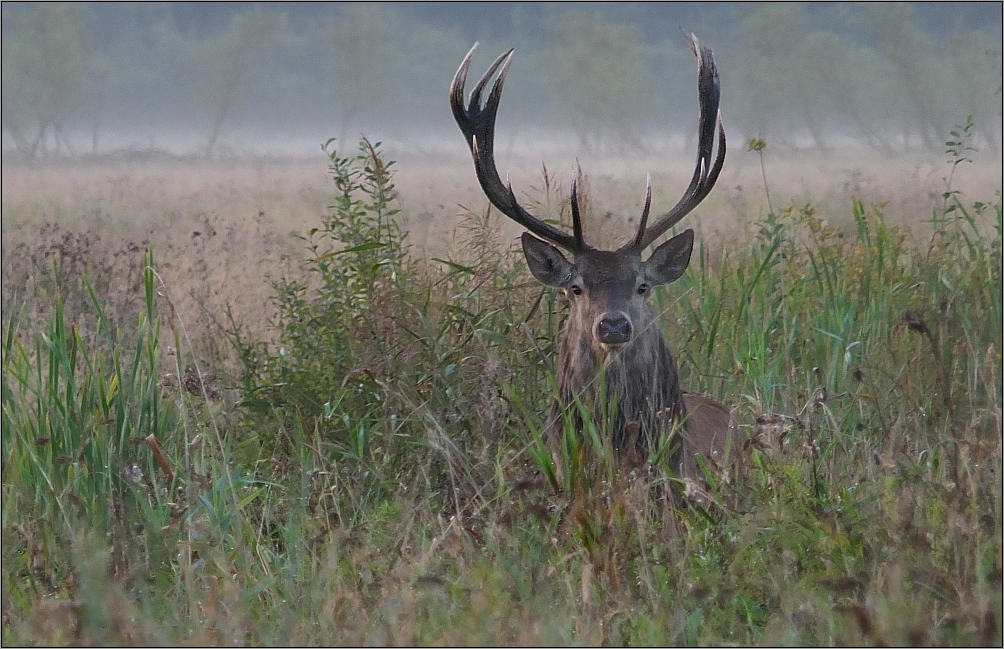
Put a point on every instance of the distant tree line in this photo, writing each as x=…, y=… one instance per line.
x=894, y=77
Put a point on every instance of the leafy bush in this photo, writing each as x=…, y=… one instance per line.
x=383, y=353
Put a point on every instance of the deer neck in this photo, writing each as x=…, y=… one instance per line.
x=636, y=382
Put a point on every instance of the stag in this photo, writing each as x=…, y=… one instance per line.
x=612, y=351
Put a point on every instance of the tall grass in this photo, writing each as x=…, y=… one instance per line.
x=382, y=476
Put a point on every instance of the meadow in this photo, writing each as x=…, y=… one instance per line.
x=301, y=401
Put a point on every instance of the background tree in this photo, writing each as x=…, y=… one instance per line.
x=600, y=77
x=131, y=67
x=893, y=31
x=792, y=73
x=868, y=99
x=976, y=65
x=225, y=61
x=45, y=65
x=362, y=41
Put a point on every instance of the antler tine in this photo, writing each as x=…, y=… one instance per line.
x=636, y=244
x=705, y=174
x=576, y=220
x=478, y=126
x=457, y=92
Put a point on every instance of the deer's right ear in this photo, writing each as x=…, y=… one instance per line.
x=546, y=262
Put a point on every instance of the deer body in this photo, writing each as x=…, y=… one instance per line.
x=613, y=357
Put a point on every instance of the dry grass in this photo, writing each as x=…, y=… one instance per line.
x=221, y=231
x=172, y=196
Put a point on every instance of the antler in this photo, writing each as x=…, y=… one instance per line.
x=705, y=175
x=478, y=126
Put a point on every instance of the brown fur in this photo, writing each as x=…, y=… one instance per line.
x=712, y=432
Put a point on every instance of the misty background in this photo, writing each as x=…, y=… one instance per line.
x=224, y=79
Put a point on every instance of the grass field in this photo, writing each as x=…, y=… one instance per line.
x=266, y=402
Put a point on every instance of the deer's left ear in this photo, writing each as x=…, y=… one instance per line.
x=670, y=260
x=546, y=262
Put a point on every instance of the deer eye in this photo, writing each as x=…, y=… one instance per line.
x=642, y=289
x=576, y=289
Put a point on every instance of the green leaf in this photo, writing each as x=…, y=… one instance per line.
x=455, y=266
x=369, y=245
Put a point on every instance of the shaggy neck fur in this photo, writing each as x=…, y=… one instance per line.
x=639, y=381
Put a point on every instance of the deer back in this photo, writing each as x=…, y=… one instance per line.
x=712, y=432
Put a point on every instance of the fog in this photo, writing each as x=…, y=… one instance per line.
x=219, y=80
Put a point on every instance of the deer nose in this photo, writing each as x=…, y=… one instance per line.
x=613, y=329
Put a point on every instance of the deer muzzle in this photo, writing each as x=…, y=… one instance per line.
x=613, y=328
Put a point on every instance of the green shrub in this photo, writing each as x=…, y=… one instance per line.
x=387, y=357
